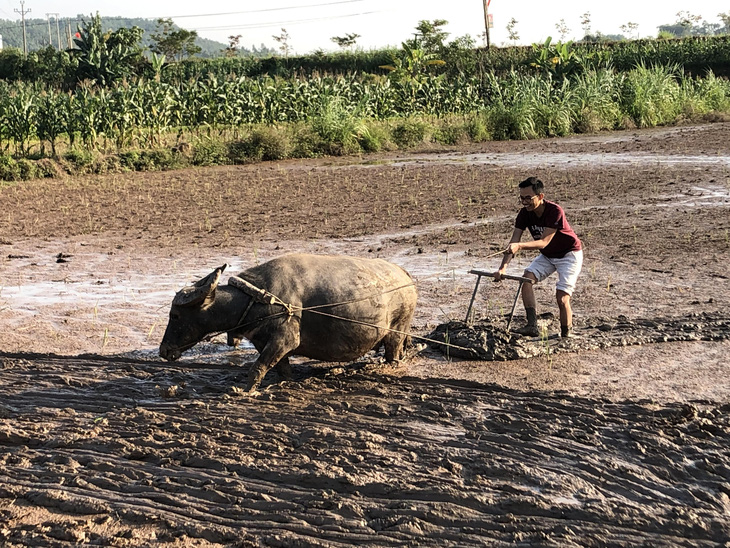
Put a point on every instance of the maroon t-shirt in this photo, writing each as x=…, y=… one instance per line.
x=564, y=241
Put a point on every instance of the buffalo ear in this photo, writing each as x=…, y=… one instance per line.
x=200, y=290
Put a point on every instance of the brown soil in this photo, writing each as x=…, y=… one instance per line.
x=104, y=444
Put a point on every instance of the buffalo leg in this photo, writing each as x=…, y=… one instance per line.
x=275, y=350
x=395, y=342
x=283, y=368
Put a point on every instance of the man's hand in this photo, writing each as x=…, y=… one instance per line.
x=513, y=248
x=498, y=275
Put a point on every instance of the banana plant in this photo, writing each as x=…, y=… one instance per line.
x=413, y=65
x=559, y=59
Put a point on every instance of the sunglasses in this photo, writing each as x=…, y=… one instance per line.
x=527, y=199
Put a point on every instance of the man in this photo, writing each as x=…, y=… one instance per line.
x=560, y=250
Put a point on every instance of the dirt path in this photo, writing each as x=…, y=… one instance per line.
x=101, y=443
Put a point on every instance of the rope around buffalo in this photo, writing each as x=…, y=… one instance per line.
x=290, y=308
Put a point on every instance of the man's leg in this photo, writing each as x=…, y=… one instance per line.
x=528, y=299
x=569, y=268
x=566, y=313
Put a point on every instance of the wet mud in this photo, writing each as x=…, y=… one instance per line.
x=137, y=453
x=617, y=438
x=488, y=339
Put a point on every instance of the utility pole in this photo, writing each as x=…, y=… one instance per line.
x=486, y=19
x=50, y=38
x=22, y=13
x=58, y=31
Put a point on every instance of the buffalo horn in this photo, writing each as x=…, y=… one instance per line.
x=200, y=290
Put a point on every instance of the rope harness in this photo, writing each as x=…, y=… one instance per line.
x=264, y=296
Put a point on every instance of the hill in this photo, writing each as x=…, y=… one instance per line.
x=41, y=32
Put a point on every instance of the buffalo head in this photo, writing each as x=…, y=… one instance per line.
x=191, y=318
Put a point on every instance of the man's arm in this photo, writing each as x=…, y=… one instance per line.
x=547, y=235
x=516, y=237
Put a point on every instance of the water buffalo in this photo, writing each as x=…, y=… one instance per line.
x=268, y=305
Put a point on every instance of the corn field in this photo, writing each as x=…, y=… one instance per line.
x=143, y=114
x=139, y=113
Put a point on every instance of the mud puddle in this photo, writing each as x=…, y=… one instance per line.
x=562, y=160
x=488, y=340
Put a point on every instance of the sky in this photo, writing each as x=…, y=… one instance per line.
x=312, y=23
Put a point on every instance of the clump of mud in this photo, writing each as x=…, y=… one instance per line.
x=482, y=341
x=488, y=340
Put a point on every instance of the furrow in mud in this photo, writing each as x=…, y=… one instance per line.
x=355, y=458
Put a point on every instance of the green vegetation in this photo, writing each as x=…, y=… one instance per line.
x=107, y=106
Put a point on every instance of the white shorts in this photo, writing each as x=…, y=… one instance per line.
x=568, y=268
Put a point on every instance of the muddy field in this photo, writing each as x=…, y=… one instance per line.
x=620, y=439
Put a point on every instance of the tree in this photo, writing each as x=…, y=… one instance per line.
x=106, y=57
x=174, y=44
x=283, y=40
x=630, y=29
x=689, y=25
x=585, y=22
x=686, y=20
x=233, y=45
x=511, y=31
x=562, y=29
x=725, y=18
x=430, y=37
x=346, y=41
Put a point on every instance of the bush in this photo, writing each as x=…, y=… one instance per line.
x=306, y=143
x=129, y=159
x=80, y=160
x=409, y=133
x=210, y=153
x=108, y=164
x=263, y=144
x=374, y=138
x=47, y=168
x=9, y=169
x=157, y=160
x=514, y=122
x=651, y=95
x=476, y=128
x=450, y=132
x=28, y=169
x=338, y=127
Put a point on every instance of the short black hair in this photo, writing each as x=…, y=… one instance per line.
x=536, y=184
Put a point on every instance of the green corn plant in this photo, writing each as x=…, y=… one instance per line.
x=68, y=106
x=88, y=115
x=125, y=114
x=51, y=121
x=20, y=118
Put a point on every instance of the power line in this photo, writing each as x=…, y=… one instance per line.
x=279, y=23
x=107, y=18
x=265, y=10
x=110, y=18
x=229, y=27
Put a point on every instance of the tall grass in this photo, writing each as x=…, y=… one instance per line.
x=651, y=95
x=597, y=100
